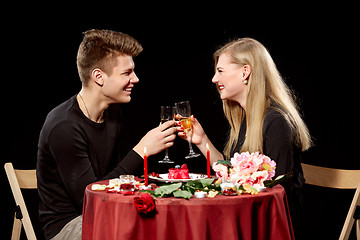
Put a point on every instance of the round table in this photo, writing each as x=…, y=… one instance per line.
x=114, y=216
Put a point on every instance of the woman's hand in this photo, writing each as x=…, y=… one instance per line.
x=198, y=132
x=200, y=139
x=157, y=139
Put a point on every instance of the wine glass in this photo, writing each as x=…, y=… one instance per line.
x=183, y=109
x=167, y=113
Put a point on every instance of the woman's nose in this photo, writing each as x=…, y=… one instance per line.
x=215, y=79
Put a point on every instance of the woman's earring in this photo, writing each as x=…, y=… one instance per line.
x=245, y=82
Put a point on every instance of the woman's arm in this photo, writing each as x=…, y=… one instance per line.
x=199, y=138
x=278, y=143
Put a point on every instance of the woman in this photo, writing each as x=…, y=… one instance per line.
x=262, y=114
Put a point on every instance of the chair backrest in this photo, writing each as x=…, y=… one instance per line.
x=25, y=179
x=340, y=179
x=330, y=177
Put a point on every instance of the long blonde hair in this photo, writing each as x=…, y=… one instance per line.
x=265, y=87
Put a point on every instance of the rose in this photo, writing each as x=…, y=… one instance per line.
x=249, y=165
x=259, y=177
x=221, y=170
x=145, y=203
x=268, y=165
x=238, y=158
x=246, y=169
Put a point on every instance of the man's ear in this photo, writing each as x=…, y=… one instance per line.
x=97, y=75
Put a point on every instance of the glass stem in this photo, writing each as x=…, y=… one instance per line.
x=190, y=146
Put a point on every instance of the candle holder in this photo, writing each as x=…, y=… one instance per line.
x=127, y=183
x=228, y=188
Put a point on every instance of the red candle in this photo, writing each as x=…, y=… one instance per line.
x=208, y=160
x=145, y=168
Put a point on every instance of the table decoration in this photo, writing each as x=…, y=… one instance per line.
x=208, y=160
x=145, y=168
x=179, y=172
x=127, y=183
x=163, y=177
x=115, y=186
x=184, y=189
x=200, y=194
x=145, y=203
x=246, y=173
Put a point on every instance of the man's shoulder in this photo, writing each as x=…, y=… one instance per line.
x=62, y=114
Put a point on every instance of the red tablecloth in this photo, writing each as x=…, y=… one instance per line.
x=113, y=216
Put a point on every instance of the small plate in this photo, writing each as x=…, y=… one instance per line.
x=164, y=177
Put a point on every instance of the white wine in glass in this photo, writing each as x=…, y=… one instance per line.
x=183, y=109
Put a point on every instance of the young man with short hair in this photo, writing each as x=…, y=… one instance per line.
x=79, y=141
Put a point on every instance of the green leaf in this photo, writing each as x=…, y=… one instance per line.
x=206, y=182
x=148, y=191
x=194, y=184
x=241, y=188
x=225, y=162
x=167, y=189
x=279, y=180
x=182, y=194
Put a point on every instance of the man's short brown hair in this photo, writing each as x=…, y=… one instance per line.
x=99, y=49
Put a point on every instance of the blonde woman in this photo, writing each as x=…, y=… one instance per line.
x=261, y=111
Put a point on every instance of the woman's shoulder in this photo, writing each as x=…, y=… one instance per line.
x=273, y=113
x=275, y=117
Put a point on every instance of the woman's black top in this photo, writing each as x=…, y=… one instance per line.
x=73, y=152
x=278, y=144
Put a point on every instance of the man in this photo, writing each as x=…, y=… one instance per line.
x=79, y=142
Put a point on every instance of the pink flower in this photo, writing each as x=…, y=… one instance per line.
x=235, y=177
x=249, y=165
x=268, y=165
x=259, y=177
x=247, y=169
x=221, y=170
x=238, y=158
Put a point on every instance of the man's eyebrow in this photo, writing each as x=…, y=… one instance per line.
x=129, y=69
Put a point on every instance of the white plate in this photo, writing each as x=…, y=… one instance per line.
x=164, y=177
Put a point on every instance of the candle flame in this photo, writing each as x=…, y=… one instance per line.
x=144, y=150
x=207, y=146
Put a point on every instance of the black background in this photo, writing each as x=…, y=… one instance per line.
x=314, y=47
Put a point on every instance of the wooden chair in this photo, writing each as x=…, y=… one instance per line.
x=340, y=179
x=21, y=179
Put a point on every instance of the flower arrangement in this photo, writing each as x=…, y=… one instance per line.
x=246, y=170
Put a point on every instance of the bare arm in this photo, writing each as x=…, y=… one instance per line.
x=199, y=138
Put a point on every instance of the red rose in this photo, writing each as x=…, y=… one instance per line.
x=145, y=203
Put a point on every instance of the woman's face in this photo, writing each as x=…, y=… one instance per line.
x=229, y=79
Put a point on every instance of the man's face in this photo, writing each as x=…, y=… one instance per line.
x=118, y=85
